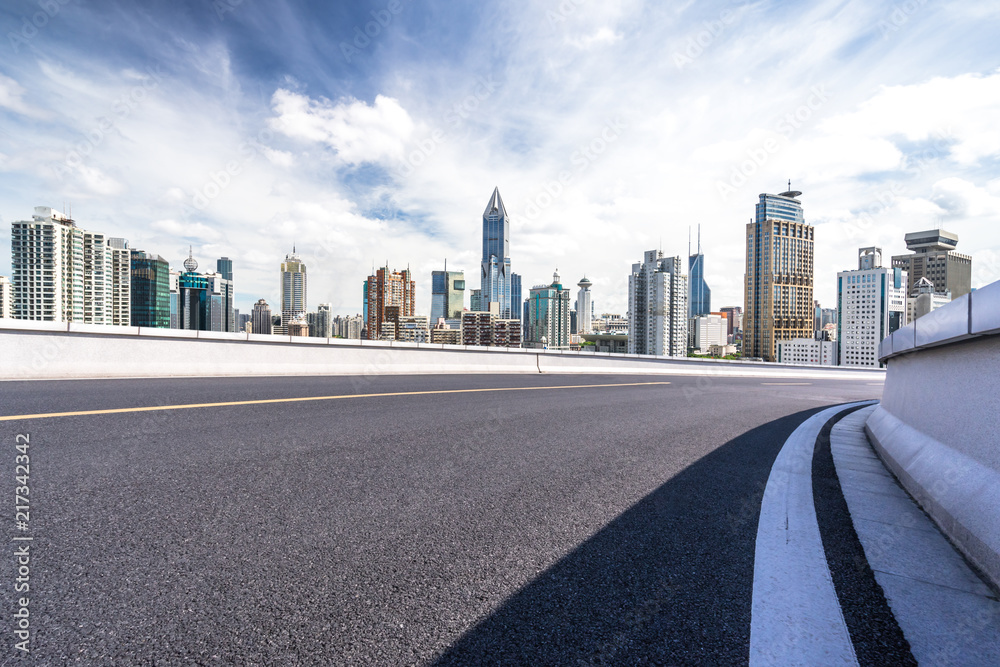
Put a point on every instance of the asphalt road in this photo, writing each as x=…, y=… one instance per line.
x=600, y=525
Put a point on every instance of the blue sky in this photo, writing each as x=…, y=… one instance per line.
x=244, y=127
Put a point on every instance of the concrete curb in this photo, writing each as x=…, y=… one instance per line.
x=961, y=494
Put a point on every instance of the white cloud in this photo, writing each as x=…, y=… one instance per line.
x=358, y=132
x=11, y=96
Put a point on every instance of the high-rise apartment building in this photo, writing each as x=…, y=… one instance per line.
x=933, y=257
x=734, y=319
x=200, y=301
x=487, y=328
x=260, y=320
x=700, y=297
x=293, y=289
x=779, y=276
x=871, y=304
x=388, y=295
x=499, y=284
x=657, y=306
x=150, y=278
x=321, y=322
x=547, y=325
x=62, y=273
x=6, y=300
x=584, y=307
x=447, y=294
x=807, y=351
x=120, y=302
x=709, y=330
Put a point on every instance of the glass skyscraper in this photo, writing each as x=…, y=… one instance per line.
x=447, y=295
x=150, y=290
x=700, y=299
x=499, y=284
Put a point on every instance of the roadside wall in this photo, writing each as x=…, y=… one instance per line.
x=938, y=426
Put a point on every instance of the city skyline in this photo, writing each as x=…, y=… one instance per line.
x=384, y=152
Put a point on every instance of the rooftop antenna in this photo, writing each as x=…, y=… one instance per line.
x=789, y=185
x=699, y=238
x=689, y=240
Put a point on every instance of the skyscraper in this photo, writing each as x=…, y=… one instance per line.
x=389, y=296
x=779, y=276
x=447, y=294
x=260, y=320
x=293, y=288
x=548, y=316
x=871, y=304
x=150, y=290
x=224, y=266
x=700, y=299
x=498, y=282
x=200, y=301
x=657, y=306
x=62, y=273
x=584, y=308
x=933, y=257
x=120, y=275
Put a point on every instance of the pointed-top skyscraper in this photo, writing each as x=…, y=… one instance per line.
x=499, y=284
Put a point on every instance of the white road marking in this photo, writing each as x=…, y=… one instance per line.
x=795, y=618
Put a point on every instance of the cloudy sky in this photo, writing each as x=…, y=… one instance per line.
x=372, y=132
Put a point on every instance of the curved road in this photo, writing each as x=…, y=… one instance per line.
x=549, y=523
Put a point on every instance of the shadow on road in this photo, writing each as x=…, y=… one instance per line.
x=668, y=581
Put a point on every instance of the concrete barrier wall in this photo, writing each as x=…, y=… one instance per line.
x=39, y=350
x=938, y=426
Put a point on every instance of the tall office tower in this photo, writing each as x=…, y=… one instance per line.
x=779, y=276
x=385, y=290
x=324, y=320
x=700, y=299
x=926, y=300
x=260, y=320
x=584, y=308
x=657, y=306
x=61, y=273
x=447, y=294
x=6, y=300
x=242, y=322
x=871, y=304
x=224, y=266
x=293, y=289
x=476, y=301
x=548, y=316
x=934, y=258
x=200, y=301
x=498, y=282
x=150, y=276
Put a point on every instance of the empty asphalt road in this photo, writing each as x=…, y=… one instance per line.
x=423, y=522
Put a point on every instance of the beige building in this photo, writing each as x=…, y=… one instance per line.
x=779, y=276
x=934, y=258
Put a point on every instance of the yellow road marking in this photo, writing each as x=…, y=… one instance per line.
x=263, y=401
x=788, y=384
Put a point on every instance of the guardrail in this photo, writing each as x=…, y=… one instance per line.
x=49, y=350
x=938, y=426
